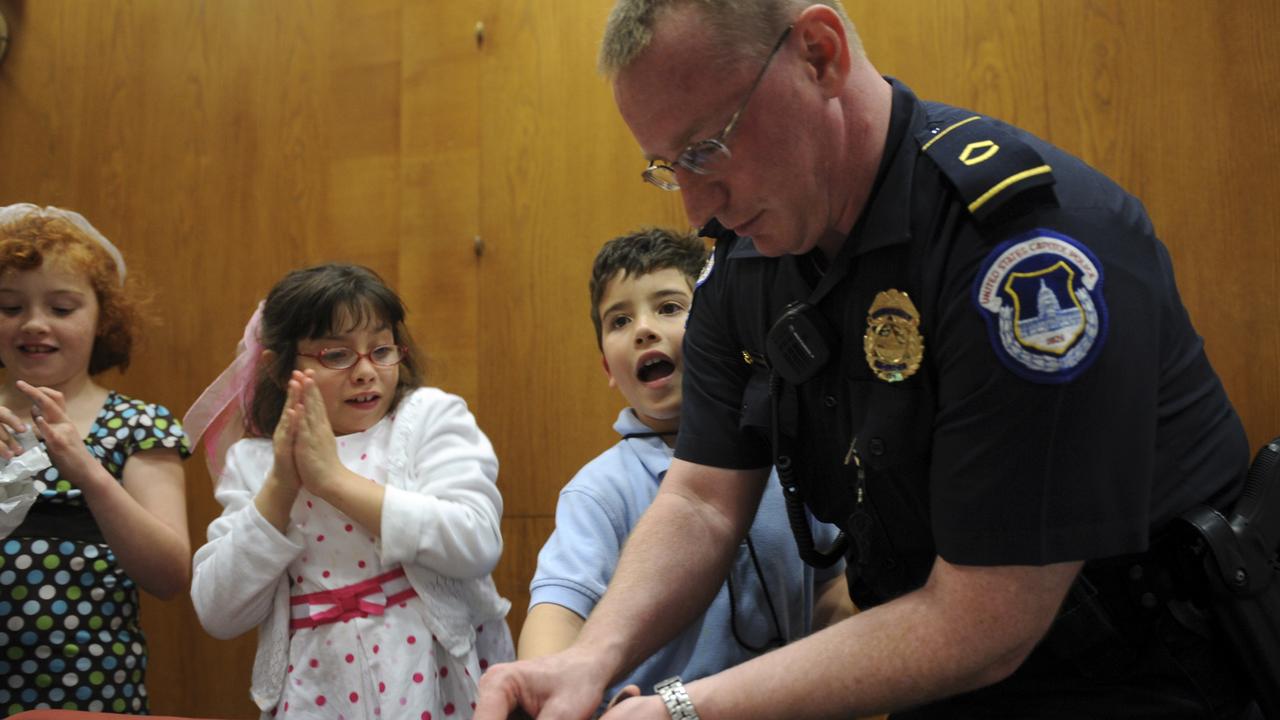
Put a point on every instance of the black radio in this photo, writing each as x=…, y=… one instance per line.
x=797, y=344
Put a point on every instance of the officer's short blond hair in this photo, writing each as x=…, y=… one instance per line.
x=744, y=27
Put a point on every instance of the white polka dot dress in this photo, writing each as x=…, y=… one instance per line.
x=384, y=665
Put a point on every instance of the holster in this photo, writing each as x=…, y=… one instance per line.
x=1238, y=558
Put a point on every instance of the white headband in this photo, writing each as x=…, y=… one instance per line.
x=19, y=211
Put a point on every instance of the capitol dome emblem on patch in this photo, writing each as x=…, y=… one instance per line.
x=1041, y=296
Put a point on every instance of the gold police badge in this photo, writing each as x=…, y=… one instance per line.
x=893, y=342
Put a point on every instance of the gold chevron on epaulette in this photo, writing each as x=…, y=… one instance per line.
x=987, y=164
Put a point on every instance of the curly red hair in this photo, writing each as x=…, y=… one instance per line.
x=30, y=241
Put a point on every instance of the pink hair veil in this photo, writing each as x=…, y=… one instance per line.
x=218, y=416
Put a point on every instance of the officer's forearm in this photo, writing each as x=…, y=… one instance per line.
x=967, y=628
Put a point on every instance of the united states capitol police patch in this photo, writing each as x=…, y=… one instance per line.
x=707, y=267
x=1041, y=295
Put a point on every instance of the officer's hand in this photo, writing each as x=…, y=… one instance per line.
x=564, y=686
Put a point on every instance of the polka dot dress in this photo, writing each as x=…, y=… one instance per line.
x=380, y=666
x=69, y=632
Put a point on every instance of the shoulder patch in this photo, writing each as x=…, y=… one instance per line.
x=1041, y=296
x=707, y=267
x=987, y=164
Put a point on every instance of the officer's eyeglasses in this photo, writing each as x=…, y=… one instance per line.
x=341, y=358
x=702, y=157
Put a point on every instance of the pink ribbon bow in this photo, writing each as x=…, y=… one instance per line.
x=365, y=598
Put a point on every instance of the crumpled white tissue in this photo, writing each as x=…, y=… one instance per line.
x=17, y=482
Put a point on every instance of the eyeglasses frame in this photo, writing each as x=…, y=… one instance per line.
x=717, y=144
x=404, y=353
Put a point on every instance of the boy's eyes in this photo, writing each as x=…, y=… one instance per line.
x=10, y=309
x=670, y=307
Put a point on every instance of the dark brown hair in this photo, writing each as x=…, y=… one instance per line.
x=36, y=239
x=639, y=253
x=309, y=303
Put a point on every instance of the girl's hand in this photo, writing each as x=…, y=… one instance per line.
x=62, y=439
x=10, y=423
x=314, y=448
x=285, y=469
x=276, y=497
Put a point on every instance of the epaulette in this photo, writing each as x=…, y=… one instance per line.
x=987, y=164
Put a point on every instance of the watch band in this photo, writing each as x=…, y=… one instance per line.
x=673, y=695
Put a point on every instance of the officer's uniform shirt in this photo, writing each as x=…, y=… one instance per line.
x=1002, y=448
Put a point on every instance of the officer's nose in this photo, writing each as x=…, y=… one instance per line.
x=704, y=196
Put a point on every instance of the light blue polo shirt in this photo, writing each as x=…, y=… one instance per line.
x=596, y=512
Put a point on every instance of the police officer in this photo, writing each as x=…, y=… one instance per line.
x=957, y=342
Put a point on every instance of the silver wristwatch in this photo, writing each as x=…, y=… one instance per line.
x=679, y=706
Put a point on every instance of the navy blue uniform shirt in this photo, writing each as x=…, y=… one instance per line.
x=1064, y=408
x=1002, y=448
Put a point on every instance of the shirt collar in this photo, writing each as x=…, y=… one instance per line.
x=652, y=452
x=886, y=219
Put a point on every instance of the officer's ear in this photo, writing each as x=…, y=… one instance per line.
x=824, y=44
x=604, y=363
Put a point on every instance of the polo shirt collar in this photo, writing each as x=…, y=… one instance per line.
x=652, y=452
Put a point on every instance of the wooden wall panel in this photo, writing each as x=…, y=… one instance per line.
x=981, y=54
x=440, y=187
x=219, y=145
x=523, y=536
x=1168, y=97
x=559, y=176
x=223, y=143
x=1174, y=101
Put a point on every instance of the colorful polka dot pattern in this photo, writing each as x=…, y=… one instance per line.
x=127, y=426
x=69, y=632
x=123, y=426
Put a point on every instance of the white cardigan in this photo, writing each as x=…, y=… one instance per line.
x=440, y=520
